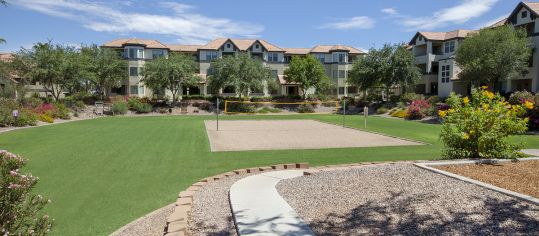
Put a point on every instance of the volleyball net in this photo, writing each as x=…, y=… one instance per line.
x=247, y=107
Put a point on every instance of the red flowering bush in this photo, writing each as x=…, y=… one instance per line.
x=19, y=214
x=418, y=109
x=46, y=109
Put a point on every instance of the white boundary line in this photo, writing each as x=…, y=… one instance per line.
x=524, y=197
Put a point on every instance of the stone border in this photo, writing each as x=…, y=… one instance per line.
x=524, y=197
x=177, y=222
x=139, y=220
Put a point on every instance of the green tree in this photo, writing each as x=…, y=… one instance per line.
x=241, y=72
x=54, y=66
x=388, y=67
x=170, y=73
x=493, y=55
x=308, y=73
x=103, y=67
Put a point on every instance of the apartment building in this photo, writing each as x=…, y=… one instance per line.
x=435, y=54
x=336, y=59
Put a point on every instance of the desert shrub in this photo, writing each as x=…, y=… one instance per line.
x=418, y=109
x=32, y=102
x=393, y=110
x=410, y=97
x=400, y=113
x=119, y=108
x=26, y=117
x=85, y=97
x=46, y=118
x=7, y=105
x=520, y=97
x=381, y=110
x=305, y=108
x=132, y=103
x=480, y=127
x=433, y=100
x=61, y=111
x=20, y=206
x=142, y=108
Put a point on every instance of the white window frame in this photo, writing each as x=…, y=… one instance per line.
x=273, y=57
x=211, y=55
x=446, y=73
x=449, y=46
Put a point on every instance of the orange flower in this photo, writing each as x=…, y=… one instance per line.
x=529, y=105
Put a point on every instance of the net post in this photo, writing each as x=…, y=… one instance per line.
x=217, y=114
x=366, y=114
x=343, y=112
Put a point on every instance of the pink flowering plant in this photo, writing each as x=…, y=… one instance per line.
x=418, y=109
x=480, y=126
x=19, y=207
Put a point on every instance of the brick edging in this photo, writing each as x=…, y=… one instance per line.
x=177, y=222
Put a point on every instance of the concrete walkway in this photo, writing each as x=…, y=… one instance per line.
x=533, y=152
x=259, y=209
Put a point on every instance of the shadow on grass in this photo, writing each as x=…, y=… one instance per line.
x=401, y=215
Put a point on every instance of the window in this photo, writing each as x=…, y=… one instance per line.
x=341, y=90
x=420, y=38
x=321, y=57
x=446, y=74
x=449, y=46
x=273, y=57
x=257, y=46
x=335, y=74
x=133, y=89
x=228, y=45
x=524, y=14
x=135, y=53
x=274, y=73
x=340, y=58
x=341, y=74
x=211, y=55
x=141, y=90
x=157, y=53
x=133, y=71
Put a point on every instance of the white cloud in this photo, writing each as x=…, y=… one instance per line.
x=183, y=23
x=358, y=22
x=461, y=13
x=491, y=22
x=390, y=11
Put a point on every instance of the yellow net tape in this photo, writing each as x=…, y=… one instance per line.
x=273, y=107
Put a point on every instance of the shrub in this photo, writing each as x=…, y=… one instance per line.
x=381, y=110
x=261, y=99
x=305, y=108
x=433, y=100
x=20, y=207
x=479, y=127
x=32, y=102
x=26, y=117
x=418, y=109
x=119, y=108
x=46, y=118
x=133, y=102
x=401, y=113
x=143, y=108
x=410, y=97
x=520, y=97
x=7, y=105
x=61, y=111
x=534, y=118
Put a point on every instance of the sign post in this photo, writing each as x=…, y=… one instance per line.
x=15, y=114
x=217, y=114
x=366, y=114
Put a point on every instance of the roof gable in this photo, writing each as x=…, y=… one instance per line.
x=532, y=7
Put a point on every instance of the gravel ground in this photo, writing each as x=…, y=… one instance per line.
x=522, y=176
x=151, y=224
x=405, y=200
x=211, y=213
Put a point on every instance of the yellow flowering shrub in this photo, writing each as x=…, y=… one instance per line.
x=479, y=126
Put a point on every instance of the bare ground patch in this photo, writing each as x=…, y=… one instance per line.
x=244, y=135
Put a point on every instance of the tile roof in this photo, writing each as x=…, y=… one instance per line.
x=148, y=43
x=534, y=6
x=6, y=56
x=183, y=48
x=441, y=36
x=498, y=23
x=241, y=44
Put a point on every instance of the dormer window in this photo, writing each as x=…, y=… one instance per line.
x=228, y=45
x=257, y=46
x=524, y=14
x=420, y=38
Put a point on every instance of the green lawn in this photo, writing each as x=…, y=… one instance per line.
x=104, y=173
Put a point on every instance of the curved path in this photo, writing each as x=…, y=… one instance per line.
x=258, y=208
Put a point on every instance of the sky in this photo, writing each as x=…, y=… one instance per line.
x=286, y=23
